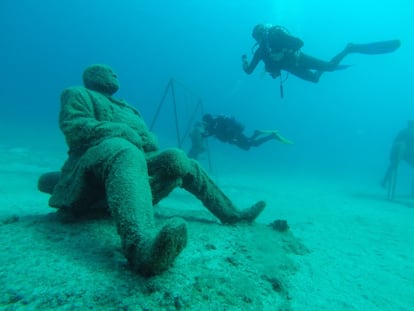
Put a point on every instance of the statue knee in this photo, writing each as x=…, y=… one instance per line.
x=175, y=162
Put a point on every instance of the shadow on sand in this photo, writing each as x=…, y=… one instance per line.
x=405, y=200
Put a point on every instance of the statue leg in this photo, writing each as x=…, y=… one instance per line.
x=172, y=168
x=129, y=198
x=121, y=169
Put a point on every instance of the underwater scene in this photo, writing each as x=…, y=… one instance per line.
x=207, y=155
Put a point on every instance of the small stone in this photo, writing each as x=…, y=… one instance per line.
x=279, y=225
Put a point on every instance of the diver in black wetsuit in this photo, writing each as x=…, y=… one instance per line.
x=229, y=130
x=281, y=51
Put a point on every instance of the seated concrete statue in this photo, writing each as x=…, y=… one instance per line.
x=114, y=163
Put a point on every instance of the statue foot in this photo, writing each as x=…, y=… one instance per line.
x=253, y=212
x=164, y=249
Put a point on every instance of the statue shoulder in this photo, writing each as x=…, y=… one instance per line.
x=74, y=91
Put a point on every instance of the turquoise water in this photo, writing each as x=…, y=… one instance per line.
x=349, y=118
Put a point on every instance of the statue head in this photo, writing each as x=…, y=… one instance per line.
x=101, y=78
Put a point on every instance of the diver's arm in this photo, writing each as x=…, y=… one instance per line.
x=249, y=68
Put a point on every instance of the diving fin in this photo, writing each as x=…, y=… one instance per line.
x=283, y=140
x=379, y=47
x=277, y=136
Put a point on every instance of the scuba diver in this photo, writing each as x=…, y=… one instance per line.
x=281, y=51
x=229, y=130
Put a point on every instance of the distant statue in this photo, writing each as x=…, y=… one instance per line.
x=402, y=149
x=198, y=143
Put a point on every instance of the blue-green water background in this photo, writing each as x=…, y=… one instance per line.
x=343, y=125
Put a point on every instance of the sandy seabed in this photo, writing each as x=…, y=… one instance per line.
x=347, y=248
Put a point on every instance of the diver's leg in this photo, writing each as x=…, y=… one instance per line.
x=242, y=142
x=259, y=141
x=305, y=74
x=310, y=68
x=339, y=57
x=309, y=62
x=172, y=168
x=122, y=168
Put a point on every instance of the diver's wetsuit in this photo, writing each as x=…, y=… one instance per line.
x=230, y=131
x=281, y=51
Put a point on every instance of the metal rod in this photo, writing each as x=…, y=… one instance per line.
x=157, y=112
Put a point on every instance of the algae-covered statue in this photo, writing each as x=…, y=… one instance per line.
x=114, y=163
x=402, y=150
